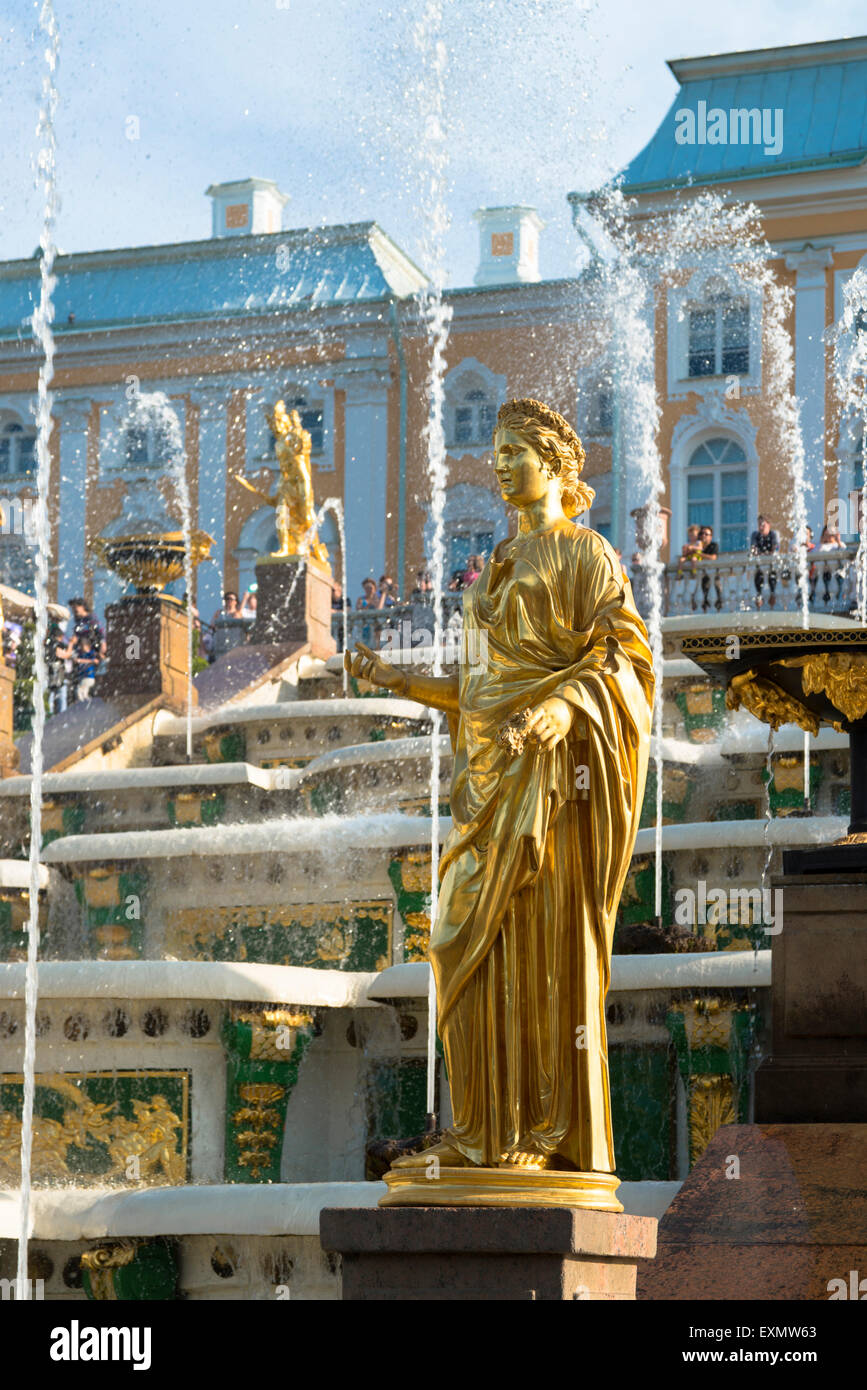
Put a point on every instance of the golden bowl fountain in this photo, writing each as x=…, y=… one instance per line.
x=151, y=562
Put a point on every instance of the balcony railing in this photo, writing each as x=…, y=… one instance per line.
x=735, y=583
x=743, y=583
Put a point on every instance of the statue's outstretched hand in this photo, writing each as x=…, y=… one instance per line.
x=366, y=664
x=550, y=722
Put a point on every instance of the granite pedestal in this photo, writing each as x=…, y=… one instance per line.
x=8, y=751
x=294, y=604
x=487, y=1253
x=147, y=642
x=817, y=1070
x=768, y=1212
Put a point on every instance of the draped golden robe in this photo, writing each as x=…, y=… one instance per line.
x=533, y=868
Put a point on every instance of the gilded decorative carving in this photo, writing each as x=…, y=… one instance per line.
x=156, y=1138
x=262, y=1121
x=416, y=942
x=332, y=928
x=415, y=870
x=712, y=1103
x=102, y=888
x=769, y=703
x=699, y=699
x=789, y=772
x=707, y=1022
x=272, y=1030
x=842, y=676
x=101, y=1262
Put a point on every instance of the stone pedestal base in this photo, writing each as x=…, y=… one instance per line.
x=768, y=1212
x=148, y=647
x=294, y=604
x=8, y=751
x=487, y=1253
x=817, y=1071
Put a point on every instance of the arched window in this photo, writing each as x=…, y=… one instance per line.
x=719, y=334
x=17, y=451
x=717, y=493
x=474, y=520
x=473, y=414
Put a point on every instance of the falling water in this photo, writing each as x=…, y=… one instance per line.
x=769, y=774
x=178, y=458
x=43, y=317
x=436, y=316
x=850, y=373
x=152, y=414
x=335, y=506
x=703, y=236
x=627, y=291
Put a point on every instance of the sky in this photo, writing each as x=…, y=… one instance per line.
x=332, y=99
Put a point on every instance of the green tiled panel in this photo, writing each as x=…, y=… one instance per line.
x=397, y=1098
x=642, y=1112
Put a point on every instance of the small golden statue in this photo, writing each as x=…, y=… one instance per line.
x=293, y=495
x=533, y=868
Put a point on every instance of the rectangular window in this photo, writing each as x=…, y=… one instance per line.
x=736, y=340
x=314, y=422
x=488, y=416
x=26, y=454
x=605, y=410
x=136, y=445
x=700, y=500
x=702, y=342
x=464, y=425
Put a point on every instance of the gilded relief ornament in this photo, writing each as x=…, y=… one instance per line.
x=842, y=676
x=572, y=684
x=769, y=703
x=152, y=1144
x=292, y=498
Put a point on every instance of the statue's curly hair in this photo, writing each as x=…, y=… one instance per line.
x=556, y=443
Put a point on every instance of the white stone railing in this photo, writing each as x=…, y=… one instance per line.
x=743, y=583
x=733, y=583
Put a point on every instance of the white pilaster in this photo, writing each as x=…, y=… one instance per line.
x=365, y=475
x=74, y=417
x=212, y=481
x=810, y=265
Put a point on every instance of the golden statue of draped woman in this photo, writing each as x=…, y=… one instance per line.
x=550, y=730
x=292, y=498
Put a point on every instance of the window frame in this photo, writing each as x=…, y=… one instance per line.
x=13, y=434
x=716, y=470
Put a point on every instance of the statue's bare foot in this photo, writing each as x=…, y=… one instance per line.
x=525, y=1155
x=446, y=1153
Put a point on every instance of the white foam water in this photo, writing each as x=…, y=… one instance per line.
x=850, y=376
x=43, y=317
x=436, y=315
x=335, y=506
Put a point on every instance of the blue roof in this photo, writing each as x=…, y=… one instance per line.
x=219, y=277
x=820, y=88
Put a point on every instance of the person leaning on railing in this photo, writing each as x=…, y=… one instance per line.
x=765, y=541
x=709, y=550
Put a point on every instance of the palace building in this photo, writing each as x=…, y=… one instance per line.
x=328, y=319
